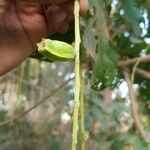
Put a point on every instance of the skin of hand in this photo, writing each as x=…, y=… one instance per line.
x=24, y=22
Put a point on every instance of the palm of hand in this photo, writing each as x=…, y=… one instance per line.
x=25, y=23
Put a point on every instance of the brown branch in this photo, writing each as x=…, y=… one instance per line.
x=143, y=73
x=134, y=108
x=107, y=94
x=47, y=97
x=133, y=61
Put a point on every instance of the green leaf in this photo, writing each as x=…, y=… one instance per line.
x=89, y=35
x=56, y=50
x=129, y=46
x=104, y=68
x=96, y=40
x=133, y=15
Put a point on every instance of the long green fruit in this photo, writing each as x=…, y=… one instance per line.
x=56, y=50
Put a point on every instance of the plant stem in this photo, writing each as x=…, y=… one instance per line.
x=134, y=70
x=132, y=61
x=136, y=65
x=134, y=107
x=82, y=129
x=77, y=76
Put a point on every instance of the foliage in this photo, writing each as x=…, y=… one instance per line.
x=113, y=31
x=104, y=56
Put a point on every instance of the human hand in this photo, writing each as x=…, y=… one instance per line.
x=24, y=22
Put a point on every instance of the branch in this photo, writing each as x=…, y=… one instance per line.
x=132, y=61
x=143, y=73
x=136, y=61
x=134, y=69
x=47, y=97
x=134, y=108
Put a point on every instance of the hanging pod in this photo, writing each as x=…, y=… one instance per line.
x=56, y=50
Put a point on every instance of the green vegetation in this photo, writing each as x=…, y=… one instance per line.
x=111, y=88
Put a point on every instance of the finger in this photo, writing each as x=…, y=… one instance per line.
x=49, y=2
x=84, y=6
x=61, y=28
x=59, y=17
x=68, y=6
x=4, y=5
x=56, y=1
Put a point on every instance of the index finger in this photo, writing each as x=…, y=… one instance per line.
x=49, y=2
x=84, y=6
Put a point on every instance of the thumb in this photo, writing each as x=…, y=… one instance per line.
x=4, y=5
x=84, y=6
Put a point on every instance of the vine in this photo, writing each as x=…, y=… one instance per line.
x=83, y=134
x=78, y=95
x=134, y=107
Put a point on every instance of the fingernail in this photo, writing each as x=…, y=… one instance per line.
x=58, y=14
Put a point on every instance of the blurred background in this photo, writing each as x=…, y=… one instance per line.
x=36, y=99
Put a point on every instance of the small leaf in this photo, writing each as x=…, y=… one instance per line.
x=56, y=50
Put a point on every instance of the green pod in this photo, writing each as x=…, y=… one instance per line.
x=56, y=50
